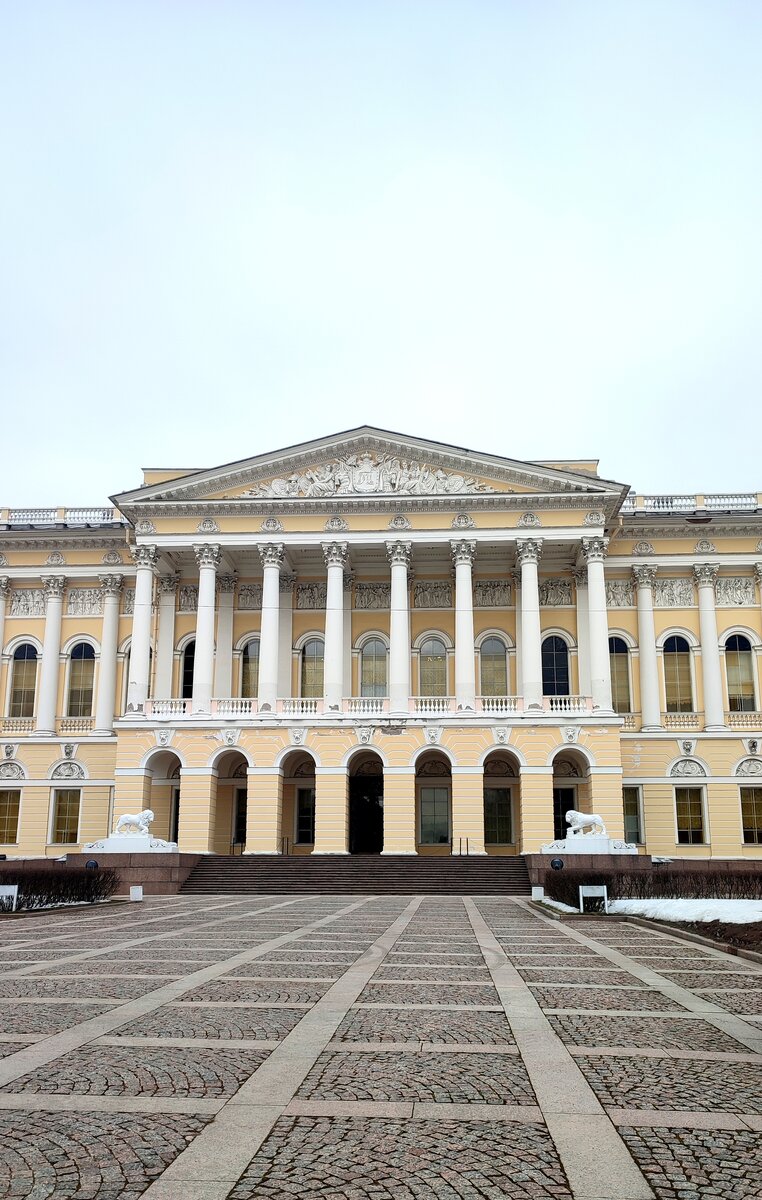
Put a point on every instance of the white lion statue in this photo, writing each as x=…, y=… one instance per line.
x=580, y=823
x=135, y=823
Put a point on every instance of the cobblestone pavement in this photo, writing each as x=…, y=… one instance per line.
x=346, y=1048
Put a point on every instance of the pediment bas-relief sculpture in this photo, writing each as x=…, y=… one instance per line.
x=370, y=474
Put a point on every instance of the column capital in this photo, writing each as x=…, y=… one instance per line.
x=594, y=549
x=579, y=574
x=54, y=586
x=705, y=574
x=144, y=556
x=286, y=582
x=5, y=587
x=758, y=573
x=528, y=550
x=335, y=553
x=168, y=584
x=272, y=554
x=463, y=551
x=349, y=578
x=644, y=576
x=399, y=553
x=207, y=555
x=226, y=583
x=111, y=585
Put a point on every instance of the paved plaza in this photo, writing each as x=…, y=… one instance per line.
x=388, y=1048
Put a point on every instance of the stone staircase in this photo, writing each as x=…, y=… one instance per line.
x=360, y=874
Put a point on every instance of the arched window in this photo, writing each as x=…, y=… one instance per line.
x=433, y=668
x=493, y=665
x=677, y=675
x=312, y=669
x=23, y=681
x=186, y=674
x=555, y=667
x=81, y=678
x=620, y=675
x=250, y=668
x=373, y=668
x=740, y=672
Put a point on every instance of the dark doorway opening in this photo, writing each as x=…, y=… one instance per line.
x=366, y=814
x=563, y=800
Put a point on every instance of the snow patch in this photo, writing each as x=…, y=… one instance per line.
x=736, y=912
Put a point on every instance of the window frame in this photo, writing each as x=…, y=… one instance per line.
x=499, y=784
x=701, y=789
x=182, y=681
x=20, y=792
x=11, y=653
x=613, y=636
x=749, y=787
x=489, y=637
x=433, y=636
x=748, y=638
x=556, y=636
x=54, y=793
x=369, y=639
x=253, y=695
x=305, y=642
x=72, y=646
x=640, y=840
x=298, y=789
x=665, y=654
x=436, y=783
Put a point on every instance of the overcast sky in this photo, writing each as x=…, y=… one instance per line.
x=527, y=227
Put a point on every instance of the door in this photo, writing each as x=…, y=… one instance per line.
x=564, y=798
x=239, y=819
x=366, y=814
x=174, y=814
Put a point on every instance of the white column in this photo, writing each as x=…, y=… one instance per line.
x=208, y=559
x=285, y=633
x=399, y=555
x=165, y=639
x=335, y=555
x=5, y=591
x=140, y=646
x=347, y=683
x=650, y=704
x=583, y=630
x=51, y=651
x=528, y=553
x=714, y=705
x=267, y=690
x=223, y=659
x=594, y=552
x=463, y=554
x=105, y=703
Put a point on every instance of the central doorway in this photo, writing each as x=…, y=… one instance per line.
x=366, y=805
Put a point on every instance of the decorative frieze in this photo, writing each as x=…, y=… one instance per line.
x=555, y=593
x=432, y=593
x=373, y=596
x=11, y=770
x=310, y=596
x=84, y=602
x=750, y=767
x=286, y=582
x=5, y=587
x=68, y=770
x=370, y=474
x=687, y=768
x=674, y=593
x=226, y=583
x=129, y=602
x=167, y=584
x=492, y=593
x=619, y=593
x=735, y=592
x=27, y=602
x=188, y=598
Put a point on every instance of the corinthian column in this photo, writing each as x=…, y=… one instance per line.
x=594, y=552
x=528, y=551
x=140, y=646
x=223, y=661
x=650, y=705
x=51, y=651
x=463, y=554
x=335, y=554
x=5, y=591
x=714, y=706
x=105, y=704
x=267, y=690
x=165, y=639
x=399, y=555
x=208, y=559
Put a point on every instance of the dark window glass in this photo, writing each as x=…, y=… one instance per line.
x=555, y=667
x=497, y=816
x=186, y=683
x=81, y=679
x=677, y=675
x=620, y=674
x=305, y=816
x=23, y=681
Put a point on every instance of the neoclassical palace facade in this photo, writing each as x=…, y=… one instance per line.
x=373, y=643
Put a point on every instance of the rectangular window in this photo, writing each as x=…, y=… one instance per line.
x=679, y=687
x=9, y=816
x=65, y=816
x=22, y=687
x=305, y=816
x=433, y=675
x=631, y=804
x=81, y=671
x=690, y=815
x=751, y=814
x=740, y=681
x=435, y=816
x=620, y=682
x=498, y=829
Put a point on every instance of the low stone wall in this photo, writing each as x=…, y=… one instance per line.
x=160, y=874
x=538, y=864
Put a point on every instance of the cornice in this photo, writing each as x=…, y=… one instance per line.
x=54, y=541
x=753, y=528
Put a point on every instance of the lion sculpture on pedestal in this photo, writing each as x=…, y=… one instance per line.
x=135, y=823
x=581, y=823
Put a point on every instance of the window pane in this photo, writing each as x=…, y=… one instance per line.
x=690, y=815
x=81, y=676
x=435, y=816
x=677, y=675
x=312, y=669
x=555, y=667
x=497, y=816
x=305, y=815
x=23, y=682
x=494, y=668
x=631, y=804
x=9, y=816
x=433, y=668
x=186, y=682
x=620, y=675
x=751, y=814
x=373, y=668
x=250, y=669
x=65, y=816
x=740, y=672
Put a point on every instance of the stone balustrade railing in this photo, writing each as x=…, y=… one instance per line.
x=61, y=516
x=711, y=502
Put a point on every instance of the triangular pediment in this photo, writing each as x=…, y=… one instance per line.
x=367, y=462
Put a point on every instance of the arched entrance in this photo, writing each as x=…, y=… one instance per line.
x=501, y=803
x=366, y=804
x=230, y=815
x=164, y=796
x=433, y=787
x=570, y=789
x=298, y=823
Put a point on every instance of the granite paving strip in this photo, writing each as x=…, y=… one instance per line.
x=44, y=1052
x=51, y=1102
x=218, y=1157
x=594, y=1157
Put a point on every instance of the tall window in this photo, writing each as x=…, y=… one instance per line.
x=497, y=816
x=186, y=674
x=373, y=668
x=620, y=674
x=250, y=668
x=23, y=681
x=305, y=816
x=312, y=669
x=738, y=664
x=81, y=677
x=677, y=675
x=9, y=816
x=631, y=804
x=555, y=667
x=690, y=815
x=433, y=668
x=65, y=816
x=435, y=816
x=494, y=667
x=751, y=814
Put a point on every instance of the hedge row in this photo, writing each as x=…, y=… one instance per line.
x=660, y=883
x=47, y=887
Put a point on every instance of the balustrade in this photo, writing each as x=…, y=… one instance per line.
x=568, y=704
x=431, y=706
x=500, y=706
x=167, y=708
x=365, y=706
x=18, y=725
x=744, y=720
x=297, y=706
x=75, y=724
x=234, y=706
x=680, y=720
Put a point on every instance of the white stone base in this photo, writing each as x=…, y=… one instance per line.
x=589, y=843
x=132, y=843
